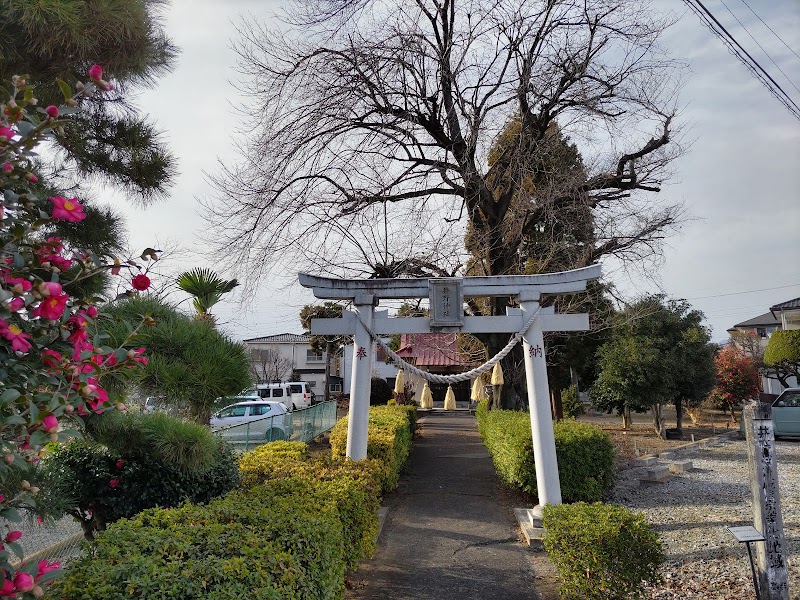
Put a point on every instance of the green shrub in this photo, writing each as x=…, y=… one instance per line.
x=570, y=403
x=388, y=441
x=380, y=392
x=104, y=487
x=250, y=544
x=601, y=551
x=354, y=487
x=584, y=452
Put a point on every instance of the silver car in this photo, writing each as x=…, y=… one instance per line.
x=252, y=420
x=786, y=413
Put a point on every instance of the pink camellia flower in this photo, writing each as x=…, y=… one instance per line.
x=91, y=312
x=6, y=134
x=7, y=168
x=141, y=282
x=23, y=582
x=8, y=588
x=114, y=483
x=15, y=335
x=120, y=464
x=46, y=567
x=51, y=309
x=67, y=209
x=16, y=304
x=32, y=178
x=13, y=536
x=96, y=72
x=19, y=285
x=52, y=111
x=2, y=497
x=50, y=424
x=50, y=288
x=61, y=263
x=51, y=359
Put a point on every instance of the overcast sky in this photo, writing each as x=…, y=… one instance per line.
x=740, y=179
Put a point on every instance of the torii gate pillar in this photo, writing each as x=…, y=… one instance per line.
x=548, y=483
x=358, y=417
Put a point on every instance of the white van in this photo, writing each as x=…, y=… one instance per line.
x=294, y=395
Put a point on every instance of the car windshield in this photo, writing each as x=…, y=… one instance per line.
x=232, y=411
x=791, y=399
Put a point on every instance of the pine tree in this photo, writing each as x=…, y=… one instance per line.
x=60, y=39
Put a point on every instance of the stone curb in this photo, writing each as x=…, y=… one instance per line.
x=690, y=447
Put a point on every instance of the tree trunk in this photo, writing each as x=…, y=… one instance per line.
x=327, y=393
x=626, y=418
x=658, y=421
x=679, y=415
x=556, y=406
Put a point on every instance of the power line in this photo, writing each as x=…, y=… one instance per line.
x=747, y=31
x=780, y=287
x=772, y=30
x=735, y=48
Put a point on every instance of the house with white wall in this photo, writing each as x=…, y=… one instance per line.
x=289, y=356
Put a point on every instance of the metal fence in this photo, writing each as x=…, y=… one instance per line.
x=300, y=425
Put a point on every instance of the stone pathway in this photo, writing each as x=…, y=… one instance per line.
x=450, y=531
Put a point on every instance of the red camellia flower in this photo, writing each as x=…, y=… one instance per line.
x=96, y=72
x=6, y=133
x=50, y=424
x=114, y=483
x=7, y=168
x=8, y=588
x=51, y=308
x=13, y=536
x=15, y=335
x=52, y=111
x=23, y=582
x=120, y=464
x=46, y=567
x=141, y=282
x=51, y=359
x=67, y=209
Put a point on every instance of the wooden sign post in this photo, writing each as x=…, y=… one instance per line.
x=771, y=568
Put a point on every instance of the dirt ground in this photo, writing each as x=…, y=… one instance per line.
x=642, y=440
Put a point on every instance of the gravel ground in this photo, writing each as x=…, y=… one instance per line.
x=59, y=541
x=691, y=511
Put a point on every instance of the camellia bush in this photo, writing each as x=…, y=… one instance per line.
x=51, y=358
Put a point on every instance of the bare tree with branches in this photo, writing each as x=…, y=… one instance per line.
x=269, y=365
x=363, y=112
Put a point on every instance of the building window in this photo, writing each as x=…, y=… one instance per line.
x=311, y=383
x=761, y=332
x=312, y=356
x=336, y=387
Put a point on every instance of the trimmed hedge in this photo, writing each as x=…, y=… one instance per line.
x=354, y=488
x=585, y=454
x=257, y=543
x=290, y=532
x=388, y=440
x=601, y=551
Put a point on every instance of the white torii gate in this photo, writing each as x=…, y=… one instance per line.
x=447, y=314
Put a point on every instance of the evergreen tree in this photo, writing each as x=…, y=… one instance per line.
x=60, y=39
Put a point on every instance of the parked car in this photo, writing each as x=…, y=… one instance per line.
x=785, y=413
x=252, y=419
x=293, y=394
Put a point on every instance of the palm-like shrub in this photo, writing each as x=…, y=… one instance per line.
x=206, y=287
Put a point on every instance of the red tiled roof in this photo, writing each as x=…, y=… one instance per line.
x=432, y=350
